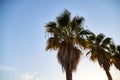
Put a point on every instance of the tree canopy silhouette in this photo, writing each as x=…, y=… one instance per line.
x=69, y=37
x=99, y=47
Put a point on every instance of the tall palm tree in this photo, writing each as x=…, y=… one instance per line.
x=99, y=50
x=67, y=37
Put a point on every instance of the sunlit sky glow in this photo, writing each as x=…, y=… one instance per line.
x=23, y=40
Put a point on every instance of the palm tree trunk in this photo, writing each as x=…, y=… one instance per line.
x=108, y=75
x=68, y=75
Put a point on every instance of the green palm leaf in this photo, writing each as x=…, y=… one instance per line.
x=64, y=18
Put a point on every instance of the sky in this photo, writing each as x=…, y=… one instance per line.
x=23, y=39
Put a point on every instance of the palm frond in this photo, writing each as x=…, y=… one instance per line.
x=99, y=38
x=79, y=20
x=112, y=48
x=76, y=23
x=51, y=27
x=85, y=32
x=118, y=48
x=52, y=43
x=64, y=18
x=51, y=24
x=106, y=41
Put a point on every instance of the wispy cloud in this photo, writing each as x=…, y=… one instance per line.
x=30, y=76
x=7, y=68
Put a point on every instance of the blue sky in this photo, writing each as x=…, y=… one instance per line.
x=23, y=40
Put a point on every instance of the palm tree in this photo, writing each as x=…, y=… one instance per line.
x=67, y=37
x=99, y=50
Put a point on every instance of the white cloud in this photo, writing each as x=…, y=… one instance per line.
x=30, y=76
x=7, y=68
